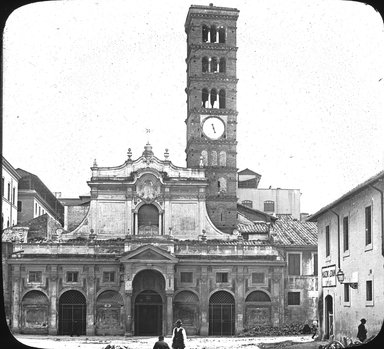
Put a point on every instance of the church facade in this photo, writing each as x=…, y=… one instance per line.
x=159, y=242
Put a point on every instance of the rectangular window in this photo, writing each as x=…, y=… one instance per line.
x=72, y=276
x=35, y=276
x=13, y=195
x=327, y=242
x=293, y=298
x=2, y=187
x=315, y=264
x=294, y=264
x=368, y=225
x=269, y=206
x=39, y=210
x=247, y=203
x=345, y=233
x=186, y=276
x=108, y=276
x=369, y=293
x=221, y=277
x=35, y=209
x=257, y=278
x=19, y=206
x=346, y=292
x=9, y=192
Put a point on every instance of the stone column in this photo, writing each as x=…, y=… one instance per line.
x=136, y=224
x=128, y=312
x=240, y=297
x=90, y=325
x=277, y=291
x=169, y=324
x=128, y=299
x=204, y=302
x=15, y=307
x=52, y=329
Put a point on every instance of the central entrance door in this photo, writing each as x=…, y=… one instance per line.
x=148, y=314
x=148, y=302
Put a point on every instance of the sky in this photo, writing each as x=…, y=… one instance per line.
x=83, y=80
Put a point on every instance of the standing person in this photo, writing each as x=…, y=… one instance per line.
x=179, y=336
x=314, y=328
x=160, y=344
x=362, y=331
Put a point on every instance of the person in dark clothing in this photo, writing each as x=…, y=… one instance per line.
x=306, y=329
x=362, y=331
x=179, y=336
x=160, y=344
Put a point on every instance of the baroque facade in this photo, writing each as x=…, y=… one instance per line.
x=155, y=242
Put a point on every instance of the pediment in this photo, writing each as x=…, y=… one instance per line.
x=149, y=253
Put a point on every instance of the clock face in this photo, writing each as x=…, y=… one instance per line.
x=213, y=127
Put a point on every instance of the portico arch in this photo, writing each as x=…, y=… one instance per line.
x=258, y=309
x=149, y=303
x=34, y=316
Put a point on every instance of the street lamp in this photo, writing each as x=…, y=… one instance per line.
x=340, y=276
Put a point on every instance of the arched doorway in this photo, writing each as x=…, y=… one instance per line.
x=34, y=313
x=221, y=314
x=149, y=296
x=328, y=316
x=257, y=309
x=148, y=219
x=72, y=313
x=186, y=307
x=110, y=314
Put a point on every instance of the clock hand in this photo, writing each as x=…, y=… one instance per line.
x=213, y=128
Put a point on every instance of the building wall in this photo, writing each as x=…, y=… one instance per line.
x=9, y=198
x=360, y=264
x=287, y=201
x=31, y=206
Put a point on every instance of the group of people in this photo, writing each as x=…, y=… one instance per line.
x=179, y=337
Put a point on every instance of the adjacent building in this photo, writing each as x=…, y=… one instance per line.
x=35, y=199
x=351, y=259
x=9, y=193
x=270, y=200
x=155, y=242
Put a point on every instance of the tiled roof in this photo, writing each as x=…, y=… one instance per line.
x=290, y=231
x=245, y=225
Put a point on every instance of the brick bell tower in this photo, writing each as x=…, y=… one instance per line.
x=211, y=103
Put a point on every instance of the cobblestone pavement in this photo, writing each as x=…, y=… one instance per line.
x=66, y=342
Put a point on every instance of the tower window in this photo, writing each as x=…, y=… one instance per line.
x=205, y=65
x=368, y=225
x=205, y=33
x=222, y=65
x=221, y=35
x=222, y=99
x=204, y=155
x=204, y=96
x=223, y=158
x=214, y=158
x=213, y=97
x=213, y=33
x=222, y=185
x=214, y=65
